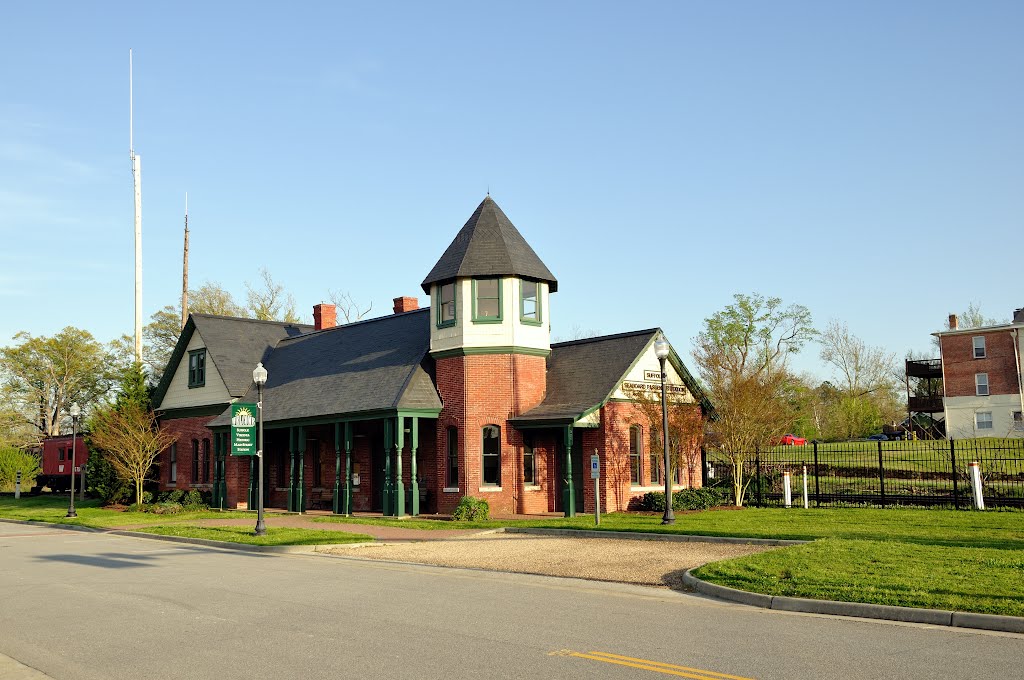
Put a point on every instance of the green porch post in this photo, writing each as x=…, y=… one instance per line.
x=291, y=469
x=414, y=444
x=335, y=500
x=399, y=484
x=221, y=456
x=300, y=492
x=347, y=504
x=569, y=492
x=389, y=490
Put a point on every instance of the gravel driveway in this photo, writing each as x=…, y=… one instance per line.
x=652, y=563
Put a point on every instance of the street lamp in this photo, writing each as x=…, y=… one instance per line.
x=259, y=376
x=661, y=351
x=75, y=413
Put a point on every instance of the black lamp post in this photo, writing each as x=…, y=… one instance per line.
x=75, y=413
x=259, y=376
x=661, y=351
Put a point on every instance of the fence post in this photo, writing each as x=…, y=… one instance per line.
x=952, y=461
x=881, y=473
x=817, y=496
x=757, y=476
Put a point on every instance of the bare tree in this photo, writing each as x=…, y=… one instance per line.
x=270, y=302
x=862, y=369
x=347, y=306
x=685, y=429
x=130, y=440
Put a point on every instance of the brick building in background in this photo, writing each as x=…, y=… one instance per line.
x=981, y=378
x=409, y=412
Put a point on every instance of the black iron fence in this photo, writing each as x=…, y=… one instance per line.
x=878, y=473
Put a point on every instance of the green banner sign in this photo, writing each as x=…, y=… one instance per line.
x=243, y=429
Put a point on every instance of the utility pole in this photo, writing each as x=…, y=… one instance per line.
x=137, y=184
x=184, y=271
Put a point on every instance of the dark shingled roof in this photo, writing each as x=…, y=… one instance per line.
x=489, y=245
x=379, y=364
x=583, y=373
x=234, y=344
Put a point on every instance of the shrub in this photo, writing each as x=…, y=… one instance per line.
x=14, y=460
x=686, y=499
x=471, y=509
x=172, y=496
x=193, y=500
x=102, y=482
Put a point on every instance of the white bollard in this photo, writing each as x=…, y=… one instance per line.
x=787, y=491
x=806, y=505
x=979, y=499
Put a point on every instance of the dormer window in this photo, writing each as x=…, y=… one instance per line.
x=486, y=300
x=197, y=368
x=529, y=302
x=446, y=304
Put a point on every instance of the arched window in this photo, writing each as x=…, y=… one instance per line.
x=195, y=461
x=206, y=461
x=656, y=462
x=635, y=451
x=452, y=477
x=173, y=479
x=492, y=455
x=529, y=468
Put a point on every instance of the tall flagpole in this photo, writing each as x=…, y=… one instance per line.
x=137, y=183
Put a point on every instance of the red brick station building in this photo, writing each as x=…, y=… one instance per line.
x=407, y=413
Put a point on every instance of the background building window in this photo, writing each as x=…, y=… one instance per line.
x=981, y=384
x=197, y=368
x=529, y=301
x=492, y=455
x=529, y=476
x=1018, y=420
x=60, y=454
x=195, y=461
x=452, y=480
x=446, y=304
x=174, y=463
x=486, y=299
x=979, y=346
x=635, y=451
x=206, y=461
x=983, y=420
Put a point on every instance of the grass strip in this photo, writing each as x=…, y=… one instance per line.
x=275, y=536
x=970, y=579
x=54, y=509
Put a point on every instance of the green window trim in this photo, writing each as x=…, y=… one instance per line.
x=539, y=318
x=441, y=321
x=197, y=368
x=489, y=319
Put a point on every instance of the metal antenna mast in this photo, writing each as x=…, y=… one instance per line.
x=137, y=184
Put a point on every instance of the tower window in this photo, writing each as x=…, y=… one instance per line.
x=486, y=300
x=529, y=302
x=446, y=304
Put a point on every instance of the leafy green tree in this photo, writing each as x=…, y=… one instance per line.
x=12, y=461
x=741, y=355
x=43, y=376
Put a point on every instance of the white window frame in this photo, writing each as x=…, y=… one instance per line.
x=981, y=383
x=978, y=421
x=979, y=345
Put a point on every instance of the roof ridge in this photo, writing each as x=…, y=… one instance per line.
x=601, y=338
x=361, y=322
x=248, y=320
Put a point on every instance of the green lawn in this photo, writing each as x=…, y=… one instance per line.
x=275, y=536
x=46, y=508
x=975, y=579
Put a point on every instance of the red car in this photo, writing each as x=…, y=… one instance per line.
x=792, y=440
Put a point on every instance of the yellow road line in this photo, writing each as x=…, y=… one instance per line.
x=655, y=666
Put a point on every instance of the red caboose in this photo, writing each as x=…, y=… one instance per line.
x=56, y=462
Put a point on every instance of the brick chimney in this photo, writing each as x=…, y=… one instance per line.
x=406, y=304
x=324, y=316
x=954, y=323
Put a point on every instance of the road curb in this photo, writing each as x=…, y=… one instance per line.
x=936, y=617
x=637, y=536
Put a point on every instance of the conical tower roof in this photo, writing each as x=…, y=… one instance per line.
x=489, y=245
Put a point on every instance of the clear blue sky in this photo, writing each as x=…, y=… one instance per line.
x=863, y=159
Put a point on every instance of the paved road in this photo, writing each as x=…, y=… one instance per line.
x=85, y=605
